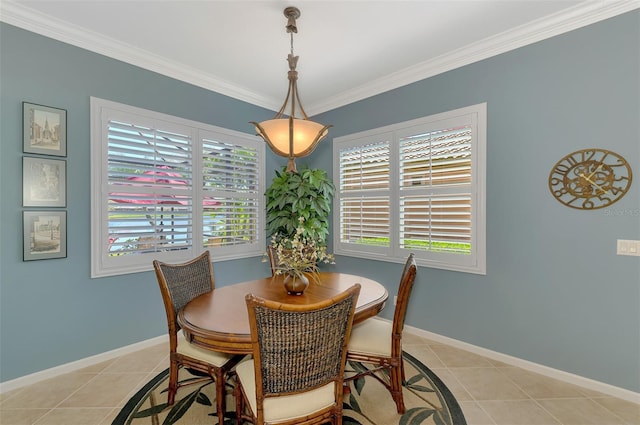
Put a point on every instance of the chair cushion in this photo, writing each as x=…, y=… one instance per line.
x=373, y=336
x=212, y=357
x=284, y=407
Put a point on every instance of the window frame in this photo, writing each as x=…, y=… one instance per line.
x=470, y=263
x=102, y=264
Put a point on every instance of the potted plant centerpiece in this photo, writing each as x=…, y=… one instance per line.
x=298, y=208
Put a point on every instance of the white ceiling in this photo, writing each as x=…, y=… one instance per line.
x=349, y=50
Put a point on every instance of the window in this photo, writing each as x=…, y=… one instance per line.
x=417, y=186
x=167, y=188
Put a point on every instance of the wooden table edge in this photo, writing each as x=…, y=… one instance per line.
x=241, y=343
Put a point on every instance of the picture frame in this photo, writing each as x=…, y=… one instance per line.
x=44, y=182
x=45, y=234
x=44, y=129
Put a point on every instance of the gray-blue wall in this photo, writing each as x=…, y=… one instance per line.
x=555, y=292
x=51, y=311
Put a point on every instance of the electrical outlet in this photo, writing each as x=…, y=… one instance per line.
x=628, y=247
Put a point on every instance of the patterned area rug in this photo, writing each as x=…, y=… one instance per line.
x=427, y=399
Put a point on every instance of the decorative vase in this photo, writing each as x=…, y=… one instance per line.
x=295, y=285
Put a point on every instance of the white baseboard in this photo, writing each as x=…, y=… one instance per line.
x=504, y=358
x=532, y=367
x=79, y=364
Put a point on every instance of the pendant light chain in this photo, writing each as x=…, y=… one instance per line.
x=291, y=43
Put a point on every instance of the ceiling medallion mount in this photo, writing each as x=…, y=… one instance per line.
x=293, y=136
x=292, y=13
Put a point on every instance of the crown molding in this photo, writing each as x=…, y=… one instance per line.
x=568, y=20
x=573, y=18
x=39, y=23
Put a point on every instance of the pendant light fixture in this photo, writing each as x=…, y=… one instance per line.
x=291, y=136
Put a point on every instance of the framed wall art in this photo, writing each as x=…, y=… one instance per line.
x=45, y=235
x=44, y=129
x=44, y=182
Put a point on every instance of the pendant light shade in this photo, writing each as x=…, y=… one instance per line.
x=291, y=136
x=280, y=132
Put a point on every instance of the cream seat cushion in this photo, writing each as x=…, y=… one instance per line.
x=212, y=357
x=287, y=407
x=373, y=336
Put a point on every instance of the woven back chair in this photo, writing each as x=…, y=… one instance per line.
x=273, y=259
x=179, y=284
x=296, y=375
x=378, y=343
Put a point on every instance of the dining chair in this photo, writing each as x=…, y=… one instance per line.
x=273, y=259
x=296, y=374
x=179, y=284
x=379, y=343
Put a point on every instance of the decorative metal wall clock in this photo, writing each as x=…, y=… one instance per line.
x=589, y=179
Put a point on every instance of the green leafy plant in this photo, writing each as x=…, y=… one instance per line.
x=306, y=194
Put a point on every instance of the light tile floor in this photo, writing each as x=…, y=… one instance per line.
x=490, y=392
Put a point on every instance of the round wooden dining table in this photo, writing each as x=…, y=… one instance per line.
x=218, y=320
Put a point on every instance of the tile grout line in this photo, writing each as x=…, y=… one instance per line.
x=461, y=385
x=559, y=422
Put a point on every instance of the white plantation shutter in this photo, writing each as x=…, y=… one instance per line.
x=365, y=188
x=438, y=223
x=435, y=183
x=230, y=176
x=415, y=187
x=365, y=220
x=149, y=189
x=167, y=188
x=365, y=167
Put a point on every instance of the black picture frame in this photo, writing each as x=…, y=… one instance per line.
x=45, y=234
x=44, y=130
x=44, y=182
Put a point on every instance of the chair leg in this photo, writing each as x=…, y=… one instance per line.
x=396, y=387
x=173, y=382
x=220, y=395
x=237, y=393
